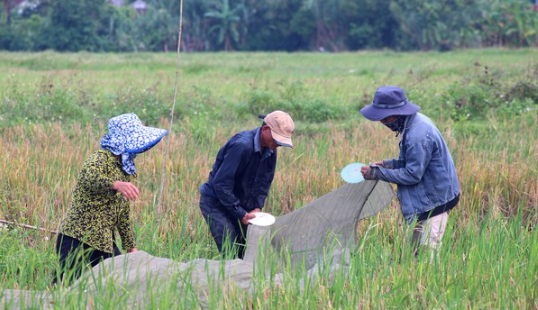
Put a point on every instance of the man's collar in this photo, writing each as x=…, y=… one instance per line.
x=257, y=140
x=258, y=143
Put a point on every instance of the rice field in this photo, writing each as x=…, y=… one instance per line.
x=53, y=113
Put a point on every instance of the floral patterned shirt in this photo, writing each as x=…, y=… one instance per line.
x=96, y=210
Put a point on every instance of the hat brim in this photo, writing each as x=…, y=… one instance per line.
x=281, y=140
x=143, y=139
x=374, y=113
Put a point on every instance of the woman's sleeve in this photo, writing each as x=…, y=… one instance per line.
x=93, y=175
x=125, y=228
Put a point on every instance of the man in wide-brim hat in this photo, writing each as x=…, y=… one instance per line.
x=428, y=186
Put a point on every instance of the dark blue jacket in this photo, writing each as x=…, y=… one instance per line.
x=242, y=174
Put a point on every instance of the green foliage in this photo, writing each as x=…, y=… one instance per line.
x=523, y=90
x=118, y=30
x=439, y=24
x=371, y=26
x=304, y=24
x=294, y=99
x=259, y=25
x=225, y=22
x=49, y=102
x=55, y=100
x=486, y=92
x=147, y=101
x=328, y=19
x=12, y=204
x=271, y=28
x=156, y=30
x=234, y=86
x=74, y=25
x=26, y=260
x=26, y=35
x=194, y=25
x=510, y=23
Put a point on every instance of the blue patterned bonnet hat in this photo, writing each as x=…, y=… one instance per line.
x=128, y=137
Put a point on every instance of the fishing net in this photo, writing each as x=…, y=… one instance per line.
x=324, y=226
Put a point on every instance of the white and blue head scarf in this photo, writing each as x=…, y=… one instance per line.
x=128, y=137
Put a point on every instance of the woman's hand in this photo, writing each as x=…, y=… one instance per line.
x=127, y=189
x=132, y=250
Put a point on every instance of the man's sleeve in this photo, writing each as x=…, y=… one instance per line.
x=224, y=179
x=392, y=163
x=417, y=158
x=264, y=190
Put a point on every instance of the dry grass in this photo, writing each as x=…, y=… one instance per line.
x=40, y=165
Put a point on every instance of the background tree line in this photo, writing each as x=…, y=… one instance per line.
x=276, y=25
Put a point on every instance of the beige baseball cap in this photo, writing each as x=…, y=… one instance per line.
x=281, y=126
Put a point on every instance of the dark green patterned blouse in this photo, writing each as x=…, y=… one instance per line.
x=96, y=210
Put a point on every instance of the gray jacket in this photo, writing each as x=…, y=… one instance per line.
x=424, y=172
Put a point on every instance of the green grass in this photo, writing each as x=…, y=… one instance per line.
x=54, y=108
x=85, y=87
x=487, y=264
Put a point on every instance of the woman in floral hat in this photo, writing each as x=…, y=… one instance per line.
x=100, y=201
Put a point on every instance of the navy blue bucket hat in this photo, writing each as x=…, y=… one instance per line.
x=389, y=101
